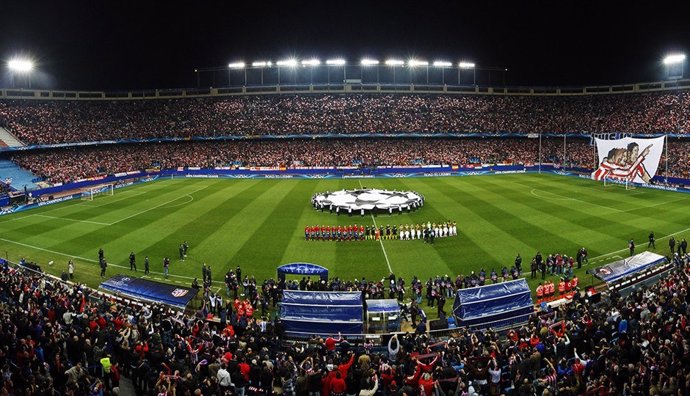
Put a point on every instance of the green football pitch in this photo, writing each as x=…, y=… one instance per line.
x=259, y=225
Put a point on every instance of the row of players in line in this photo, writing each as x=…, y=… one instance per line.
x=402, y=232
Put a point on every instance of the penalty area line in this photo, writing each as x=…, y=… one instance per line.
x=390, y=270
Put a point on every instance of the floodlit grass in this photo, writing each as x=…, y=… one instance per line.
x=259, y=225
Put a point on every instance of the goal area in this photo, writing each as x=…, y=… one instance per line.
x=89, y=193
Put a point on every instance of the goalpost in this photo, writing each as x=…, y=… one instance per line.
x=628, y=185
x=89, y=193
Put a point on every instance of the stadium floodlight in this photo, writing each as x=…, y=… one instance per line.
x=674, y=59
x=417, y=62
x=311, y=62
x=442, y=64
x=261, y=64
x=335, y=62
x=369, y=62
x=287, y=62
x=466, y=65
x=236, y=65
x=394, y=62
x=20, y=65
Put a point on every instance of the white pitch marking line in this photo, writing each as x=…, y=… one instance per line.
x=380, y=239
x=563, y=198
x=607, y=255
x=109, y=201
x=158, y=206
x=94, y=261
x=68, y=219
x=183, y=203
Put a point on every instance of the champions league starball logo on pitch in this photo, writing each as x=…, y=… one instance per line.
x=367, y=199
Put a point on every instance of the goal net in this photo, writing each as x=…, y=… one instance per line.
x=626, y=184
x=88, y=194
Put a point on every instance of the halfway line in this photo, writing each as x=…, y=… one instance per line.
x=380, y=240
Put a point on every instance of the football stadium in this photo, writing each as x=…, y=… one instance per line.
x=345, y=225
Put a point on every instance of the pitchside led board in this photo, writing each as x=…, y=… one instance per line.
x=628, y=159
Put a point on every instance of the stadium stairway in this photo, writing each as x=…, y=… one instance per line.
x=20, y=177
x=8, y=140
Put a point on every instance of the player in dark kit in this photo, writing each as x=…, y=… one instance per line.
x=672, y=244
x=631, y=246
x=104, y=265
x=518, y=263
x=146, y=265
x=651, y=241
x=132, y=262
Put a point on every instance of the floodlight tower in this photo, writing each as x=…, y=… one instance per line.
x=443, y=65
x=311, y=63
x=368, y=62
x=237, y=66
x=672, y=62
x=412, y=63
x=394, y=63
x=339, y=62
x=21, y=66
x=261, y=65
x=467, y=66
x=674, y=65
x=291, y=63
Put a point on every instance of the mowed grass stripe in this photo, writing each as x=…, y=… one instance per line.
x=316, y=252
x=609, y=221
x=349, y=258
x=628, y=208
x=107, y=209
x=40, y=226
x=477, y=224
x=193, y=222
x=104, y=204
x=615, y=198
x=368, y=261
x=570, y=218
x=272, y=230
x=443, y=257
x=531, y=232
x=81, y=241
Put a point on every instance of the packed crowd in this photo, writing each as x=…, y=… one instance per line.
x=63, y=165
x=60, y=339
x=48, y=121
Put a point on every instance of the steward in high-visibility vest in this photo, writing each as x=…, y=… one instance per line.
x=105, y=362
x=540, y=292
x=575, y=281
x=561, y=286
x=550, y=288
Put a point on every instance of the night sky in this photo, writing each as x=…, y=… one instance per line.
x=122, y=45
